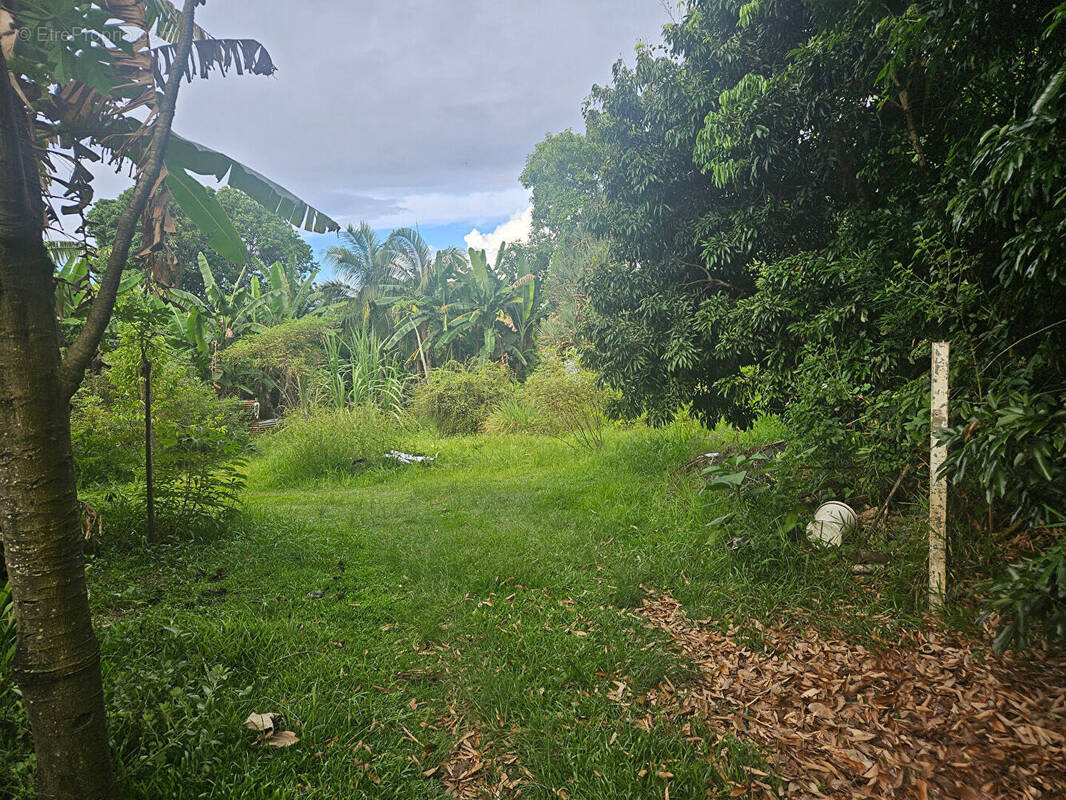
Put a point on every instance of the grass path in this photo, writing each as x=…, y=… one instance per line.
x=467, y=625
x=489, y=592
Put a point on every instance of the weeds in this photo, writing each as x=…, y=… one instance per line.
x=325, y=445
x=495, y=589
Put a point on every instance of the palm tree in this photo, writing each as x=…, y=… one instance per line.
x=411, y=256
x=364, y=264
x=466, y=307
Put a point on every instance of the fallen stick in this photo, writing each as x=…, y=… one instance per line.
x=895, y=488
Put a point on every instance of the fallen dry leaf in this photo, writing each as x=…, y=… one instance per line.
x=262, y=723
x=925, y=717
x=281, y=739
x=271, y=728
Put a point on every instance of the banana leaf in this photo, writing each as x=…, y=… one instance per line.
x=193, y=157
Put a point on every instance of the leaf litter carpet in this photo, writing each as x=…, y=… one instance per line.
x=929, y=716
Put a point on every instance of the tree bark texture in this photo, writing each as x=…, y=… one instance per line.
x=57, y=659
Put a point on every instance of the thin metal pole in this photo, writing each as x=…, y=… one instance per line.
x=149, y=482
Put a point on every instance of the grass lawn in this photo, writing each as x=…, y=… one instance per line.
x=479, y=612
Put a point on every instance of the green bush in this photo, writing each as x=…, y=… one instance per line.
x=324, y=445
x=1012, y=444
x=515, y=414
x=108, y=442
x=1032, y=599
x=460, y=399
x=559, y=397
x=277, y=365
x=198, y=439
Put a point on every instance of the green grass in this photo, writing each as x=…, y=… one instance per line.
x=497, y=585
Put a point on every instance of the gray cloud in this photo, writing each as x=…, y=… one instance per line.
x=381, y=101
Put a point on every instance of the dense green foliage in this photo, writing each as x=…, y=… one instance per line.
x=459, y=399
x=198, y=438
x=562, y=175
x=268, y=238
x=798, y=197
x=497, y=585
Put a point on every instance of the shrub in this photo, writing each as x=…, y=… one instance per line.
x=1032, y=599
x=325, y=444
x=108, y=442
x=277, y=364
x=460, y=399
x=198, y=439
x=558, y=398
x=1012, y=444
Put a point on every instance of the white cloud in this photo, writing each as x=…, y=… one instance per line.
x=391, y=209
x=516, y=229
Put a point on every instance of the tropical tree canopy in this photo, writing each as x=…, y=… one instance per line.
x=267, y=238
x=797, y=198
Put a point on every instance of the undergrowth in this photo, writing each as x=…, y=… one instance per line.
x=495, y=589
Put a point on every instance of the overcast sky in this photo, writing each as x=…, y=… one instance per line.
x=405, y=112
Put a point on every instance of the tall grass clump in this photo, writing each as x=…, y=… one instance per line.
x=558, y=399
x=514, y=414
x=323, y=445
x=458, y=399
x=358, y=372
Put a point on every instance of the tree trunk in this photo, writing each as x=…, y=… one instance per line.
x=57, y=660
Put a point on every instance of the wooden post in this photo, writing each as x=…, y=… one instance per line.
x=938, y=486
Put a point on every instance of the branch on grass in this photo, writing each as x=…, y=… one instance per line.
x=84, y=348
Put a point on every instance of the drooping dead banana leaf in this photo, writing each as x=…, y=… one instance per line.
x=165, y=20
x=159, y=260
x=242, y=55
x=8, y=34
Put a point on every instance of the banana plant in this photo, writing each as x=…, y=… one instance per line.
x=75, y=285
x=424, y=312
x=209, y=324
x=493, y=304
x=525, y=312
x=288, y=297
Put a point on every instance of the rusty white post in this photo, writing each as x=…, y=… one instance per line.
x=938, y=486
